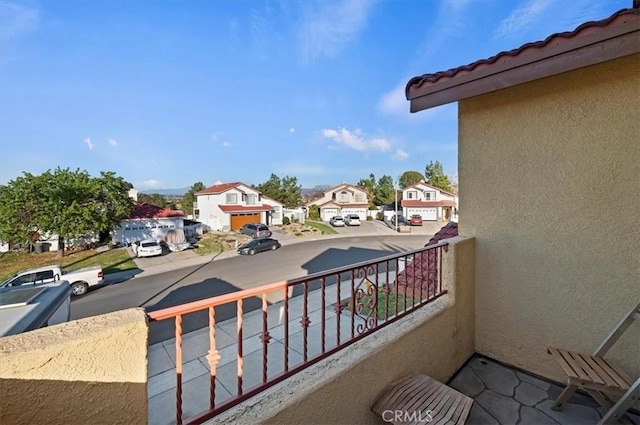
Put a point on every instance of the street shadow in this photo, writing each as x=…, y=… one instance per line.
x=213, y=287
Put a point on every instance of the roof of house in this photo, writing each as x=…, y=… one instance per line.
x=344, y=205
x=245, y=208
x=428, y=185
x=219, y=188
x=589, y=44
x=447, y=231
x=416, y=203
x=331, y=189
x=144, y=210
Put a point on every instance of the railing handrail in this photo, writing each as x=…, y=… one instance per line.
x=218, y=300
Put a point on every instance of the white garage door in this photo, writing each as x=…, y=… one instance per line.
x=327, y=213
x=362, y=212
x=136, y=230
x=426, y=213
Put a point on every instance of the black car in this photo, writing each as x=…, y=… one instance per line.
x=259, y=245
x=256, y=230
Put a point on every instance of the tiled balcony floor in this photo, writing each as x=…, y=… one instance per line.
x=506, y=396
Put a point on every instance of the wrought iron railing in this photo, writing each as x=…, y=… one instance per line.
x=348, y=302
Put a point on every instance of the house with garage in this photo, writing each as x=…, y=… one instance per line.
x=341, y=200
x=148, y=221
x=229, y=206
x=430, y=202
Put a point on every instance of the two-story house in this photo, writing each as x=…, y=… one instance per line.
x=228, y=206
x=342, y=200
x=429, y=202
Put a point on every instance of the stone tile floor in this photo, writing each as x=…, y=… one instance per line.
x=503, y=395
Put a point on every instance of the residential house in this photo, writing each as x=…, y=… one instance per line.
x=430, y=202
x=547, y=255
x=342, y=200
x=228, y=206
x=148, y=221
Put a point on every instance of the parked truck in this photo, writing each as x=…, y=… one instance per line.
x=80, y=280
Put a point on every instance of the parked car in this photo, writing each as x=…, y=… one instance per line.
x=258, y=245
x=256, y=230
x=399, y=218
x=352, y=220
x=415, y=220
x=337, y=221
x=147, y=248
x=80, y=280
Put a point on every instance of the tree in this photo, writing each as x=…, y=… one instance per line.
x=66, y=203
x=369, y=185
x=409, y=178
x=436, y=177
x=190, y=197
x=153, y=198
x=384, y=191
x=291, y=192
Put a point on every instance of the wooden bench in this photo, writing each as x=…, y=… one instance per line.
x=421, y=399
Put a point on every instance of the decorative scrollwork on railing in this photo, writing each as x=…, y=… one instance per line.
x=366, y=299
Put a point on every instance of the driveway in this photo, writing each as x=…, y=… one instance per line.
x=367, y=227
x=166, y=258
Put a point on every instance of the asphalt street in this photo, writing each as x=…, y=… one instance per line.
x=232, y=274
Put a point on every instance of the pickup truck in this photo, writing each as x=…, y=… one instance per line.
x=80, y=280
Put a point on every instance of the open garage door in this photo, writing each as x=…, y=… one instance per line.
x=430, y=214
x=239, y=220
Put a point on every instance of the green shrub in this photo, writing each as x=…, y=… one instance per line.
x=285, y=221
x=314, y=212
x=380, y=215
x=369, y=218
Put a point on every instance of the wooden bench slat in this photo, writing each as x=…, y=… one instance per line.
x=420, y=395
x=608, y=380
x=591, y=373
x=563, y=363
x=620, y=380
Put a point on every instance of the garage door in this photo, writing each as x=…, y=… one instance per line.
x=327, y=213
x=361, y=212
x=426, y=213
x=239, y=220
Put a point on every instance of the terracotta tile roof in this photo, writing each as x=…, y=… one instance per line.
x=447, y=231
x=423, y=270
x=245, y=208
x=346, y=205
x=144, y=210
x=554, y=39
x=416, y=203
x=218, y=188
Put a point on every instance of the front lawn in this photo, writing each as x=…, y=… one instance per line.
x=111, y=261
x=326, y=230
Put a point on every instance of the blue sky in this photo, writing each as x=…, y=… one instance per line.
x=167, y=93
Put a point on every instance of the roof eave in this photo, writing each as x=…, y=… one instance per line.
x=606, y=44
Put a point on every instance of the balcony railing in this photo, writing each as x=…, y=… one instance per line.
x=335, y=308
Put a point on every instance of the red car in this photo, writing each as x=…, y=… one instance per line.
x=415, y=220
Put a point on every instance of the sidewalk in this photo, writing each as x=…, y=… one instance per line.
x=378, y=228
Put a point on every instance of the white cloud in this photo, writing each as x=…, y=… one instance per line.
x=401, y=155
x=16, y=19
x=292, y=130
x=113, y=142
x=226, y=144
x=355, y=140
x=332, y=26
x=90, y=145
x=395, y=101
x=148, y=184
x=521, y=18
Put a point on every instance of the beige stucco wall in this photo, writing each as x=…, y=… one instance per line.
x=89, y=371
x=550, y=188
x=435, y=340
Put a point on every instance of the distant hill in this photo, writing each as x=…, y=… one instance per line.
x=180, y=191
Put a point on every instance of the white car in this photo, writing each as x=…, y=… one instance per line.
x=352, y=220
x=337, y=221
x=147, y=248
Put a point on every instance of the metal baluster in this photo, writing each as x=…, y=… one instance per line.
x=304, y=321
x=239, y=333
x=213, y=357
x=286, y=329
x=265, y=338
x=322, y=313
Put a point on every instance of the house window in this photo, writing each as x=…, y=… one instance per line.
x=251, y=200
x=412, y=194
x=430, y=196
x=196, y=212
x=232, y=198
x=359, y=197
x=344, y=196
